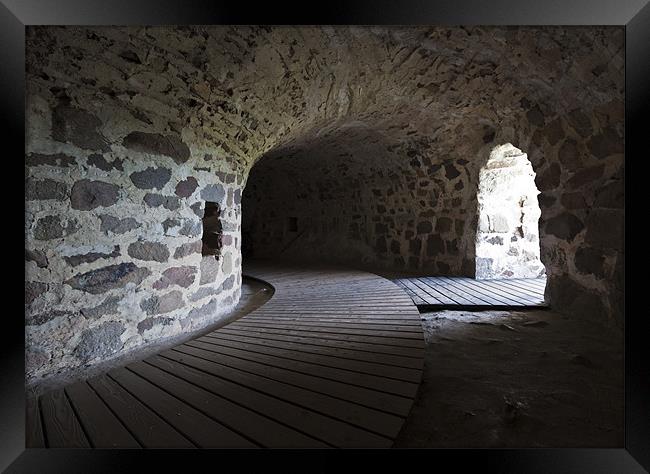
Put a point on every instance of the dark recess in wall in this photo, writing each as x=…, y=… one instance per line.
x=212, y=230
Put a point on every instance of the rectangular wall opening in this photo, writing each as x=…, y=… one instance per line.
x=212, y=230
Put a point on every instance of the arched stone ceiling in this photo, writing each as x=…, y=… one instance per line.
x=250, y=90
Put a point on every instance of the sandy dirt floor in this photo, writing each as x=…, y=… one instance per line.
x=517, y=379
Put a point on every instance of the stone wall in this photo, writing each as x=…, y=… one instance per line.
x=130, y=129
x=403, y=195
x=371, y=205
x=115, y=192
x=507, y=240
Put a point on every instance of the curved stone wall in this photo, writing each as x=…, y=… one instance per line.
x=131, y=129
x=116, y=185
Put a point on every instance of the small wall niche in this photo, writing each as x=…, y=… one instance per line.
x=212, y=230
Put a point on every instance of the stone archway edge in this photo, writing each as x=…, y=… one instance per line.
x=333, y=359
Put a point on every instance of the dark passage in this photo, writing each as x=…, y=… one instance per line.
x=212, y=230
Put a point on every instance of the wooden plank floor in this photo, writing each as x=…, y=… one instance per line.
x=455, y=292
x=333, y=359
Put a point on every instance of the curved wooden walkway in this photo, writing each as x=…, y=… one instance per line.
x=333, y=359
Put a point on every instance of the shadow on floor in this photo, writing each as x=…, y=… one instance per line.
x=497, y=379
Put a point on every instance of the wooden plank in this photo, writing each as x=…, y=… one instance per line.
x=283, y=370
x=410, y=315
x=397, y=329
x=201, y=430
x=478, y=288
x=461, y=283
x=522, y=290
x=508, y=292
x=304, y=353
x=280, y=334
x=312, y=423
x=536, y=288
x=387, y=341
x=147, y=427
x=301, y=362
x=102, y=427
x=314, y=306
x=454, y=284
x=457, y=293
x=357, y=415
x=34, y=437
x=341, y=353
x=299, y=303
x=327, y=342
x=434, y=297
x=333, y=330
x=264, y=431
x=537, y=284
x=424, y=295
x=62, y=428
x=416, y=299
x=436, y=293
x=413, y=324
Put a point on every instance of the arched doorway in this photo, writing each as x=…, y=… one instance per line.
x=507, y=238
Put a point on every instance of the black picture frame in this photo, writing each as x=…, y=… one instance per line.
x=634, y=15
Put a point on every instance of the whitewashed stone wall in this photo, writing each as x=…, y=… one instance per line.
x=507, y=241
x=113, y=229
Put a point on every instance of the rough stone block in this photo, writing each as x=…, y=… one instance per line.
x=186, y=187
x=209, y=269
x=151, y=178
x=149, y=251
x=37, y=257
x=98, y=161
x=189, y=248
x=213, y=193
x=100, y=342
x=435, y=245
x=33, y=290
x=181, y=276
x=156, y=200
x=157, y=144
x=46, y=317
x=116, y=225
x=87, y=195
x=191, y=228
x=605, y=228
x=109, y=278
x=75, y=260
x=44, y=189
x=499, y=223
x=564, y=226
x=108, y=306
x=590, y=261
x=51, y=227
x=79, y=127
x=606, y=143
x=58, y=159
x=150, y=323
